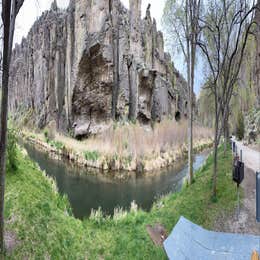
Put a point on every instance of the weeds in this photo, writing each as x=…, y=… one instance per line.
x=11, y=149
x=124, y=140
x=91, y=155
x=57, y=144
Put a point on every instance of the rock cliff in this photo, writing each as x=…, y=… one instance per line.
x=94, y=62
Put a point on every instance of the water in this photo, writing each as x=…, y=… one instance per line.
x=86, y=191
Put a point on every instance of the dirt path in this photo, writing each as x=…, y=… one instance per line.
x=250, y=157
x=246, y=222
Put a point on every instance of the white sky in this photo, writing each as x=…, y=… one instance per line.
x=34, y=8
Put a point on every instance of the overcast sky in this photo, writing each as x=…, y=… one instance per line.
x=34, y=8
x=26, y=19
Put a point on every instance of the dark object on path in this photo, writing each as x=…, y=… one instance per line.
x=233, y=146
x=157, y=233
x=258, y=196
x=192, y=242
x=238, y=171
x=252, y=136
x=178, y=116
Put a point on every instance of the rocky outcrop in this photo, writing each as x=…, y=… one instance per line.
x=91, y=63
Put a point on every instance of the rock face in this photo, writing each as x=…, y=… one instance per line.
x=91, y=63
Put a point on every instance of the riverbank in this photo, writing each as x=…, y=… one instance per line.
x=124, y=147
x=40, y=223
x=112, y=189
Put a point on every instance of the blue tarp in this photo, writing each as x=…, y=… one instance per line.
x=191, y=242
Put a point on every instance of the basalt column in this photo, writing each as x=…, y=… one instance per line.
x=115, y=24
x=134, y=57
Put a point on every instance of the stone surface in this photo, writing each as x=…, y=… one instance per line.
x=91, y=63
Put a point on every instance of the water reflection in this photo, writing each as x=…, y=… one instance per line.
x=86, y=191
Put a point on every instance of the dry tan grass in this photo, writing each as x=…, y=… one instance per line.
x=137, y=141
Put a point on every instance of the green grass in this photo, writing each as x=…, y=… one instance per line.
x=56, y=144
x=42, y=221
x=91, y=155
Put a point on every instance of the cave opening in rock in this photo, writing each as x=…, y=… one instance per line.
x=142, y=119
x=178, y=116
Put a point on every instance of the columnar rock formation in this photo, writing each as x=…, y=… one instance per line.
x=91, y=63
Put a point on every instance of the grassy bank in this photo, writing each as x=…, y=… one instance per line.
x=128, y=147
x=39, y=218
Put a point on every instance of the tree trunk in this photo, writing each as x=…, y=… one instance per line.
x=225, y=137
x=191, y=101
x=215, y=154
x=190, y=137
x=190, y=114
x=226, y=131
x=3, y=144
x=4, y=114
x=10, y=10
x=214, y=179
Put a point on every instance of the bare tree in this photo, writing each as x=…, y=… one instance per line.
x=225, y=28
x=10, y=9
x=182, y=21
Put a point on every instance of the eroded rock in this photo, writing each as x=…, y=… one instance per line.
x=91, y=63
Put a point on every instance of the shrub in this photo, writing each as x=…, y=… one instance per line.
x=91, y=155
x=11, y=149
x=46, y=135
x=119, y=214
x=96, y=215
x=57, y=144
x=240, y=128
x=49, y=134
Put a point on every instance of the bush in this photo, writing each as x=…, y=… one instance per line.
x=46, y=135
x=56, y=144
x=11, y=149
x=91, y=155
x=240, y=128
x=49, y=134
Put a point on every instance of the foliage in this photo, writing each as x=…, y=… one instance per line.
x=49, y=134
x=45, y=229
x=225, y=29
x=174, y=25
x=91, y=155
x=11, y=149
x=206, y=106
x=46, y=135
x=240, y=129
x=50, y=140
x=56, y=144
x=183, y=17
